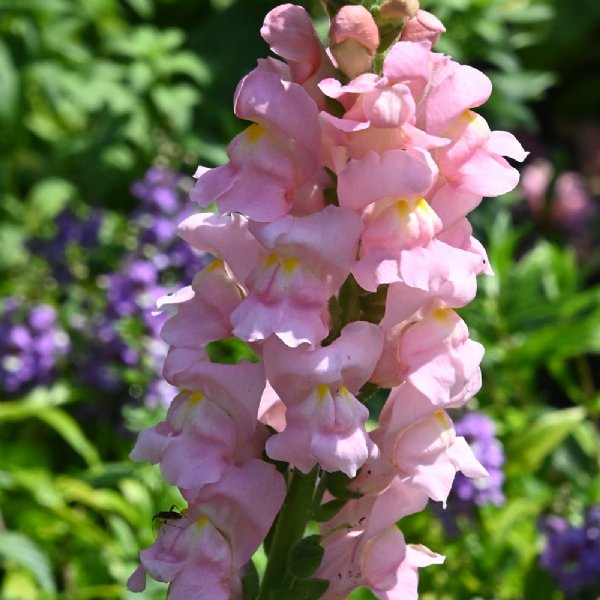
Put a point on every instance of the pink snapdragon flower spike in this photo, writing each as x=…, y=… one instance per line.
x=341, y=250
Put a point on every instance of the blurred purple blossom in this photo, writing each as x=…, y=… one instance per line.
x=480, y=432
x=164, y=204
x=31, y=343
x=140, y=279
x=572, y=554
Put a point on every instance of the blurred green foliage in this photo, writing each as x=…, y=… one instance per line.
x=94, y=91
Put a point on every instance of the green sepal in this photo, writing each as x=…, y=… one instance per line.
x=337, y=486
x=250, y=581
x=306, y=556
x=302, y=589
x=328, y=510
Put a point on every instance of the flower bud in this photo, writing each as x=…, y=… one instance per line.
x=354, y=40
x=397, y=10
x=423, y=26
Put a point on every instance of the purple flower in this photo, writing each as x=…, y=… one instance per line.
x=159, y=191
x=480, y=432
x=126, y=288
x=164, y=204
x=31, y=343
x=572, y=554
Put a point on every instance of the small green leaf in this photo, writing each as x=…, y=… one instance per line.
x=40, y=404
x=328, y=510
x=337, y=485
x=50, y=196
x=9, y=82
x=20, y=549
x=527, y=449
x=12, y=245
x=306, y=556
x=68, y=428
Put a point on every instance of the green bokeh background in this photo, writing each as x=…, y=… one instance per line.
x=93, y=92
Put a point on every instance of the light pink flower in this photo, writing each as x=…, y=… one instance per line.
x=274, y=163
x=196, y=444
x=308, y=260
x=227, y=237
x=290, y=268
x=207, y=431
x=324, y=420
x=202, y=553
x=431, y=350
x=202, y=313
x=289, y=32
x=421, y=443
x=194, y=556
x=363, y=546
x=422, y=27
x=472, y=166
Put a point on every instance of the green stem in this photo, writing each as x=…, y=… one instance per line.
x=289, y=529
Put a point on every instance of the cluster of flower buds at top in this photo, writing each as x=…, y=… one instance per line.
x=342, y=250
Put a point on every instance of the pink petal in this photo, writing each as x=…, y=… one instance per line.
x=243, y=505
x=224, y=236
x=506, y=144
x=408, y=62
x=272, y=410
x=461, y=88
x=289, y=32
x=381, y=558
x=137, y=580
x=397, y=173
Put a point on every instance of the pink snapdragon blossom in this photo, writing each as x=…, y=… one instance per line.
x=289, y=32
x=213, y=293
x=363, y=545
x=342, y=248
x=325, y=423
x=275, y=162
x=209, y=430
x=201, y=556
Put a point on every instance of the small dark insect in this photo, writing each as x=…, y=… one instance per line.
x=165, y=516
